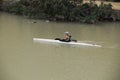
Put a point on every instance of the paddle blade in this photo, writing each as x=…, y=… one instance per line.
x=74, y=40
x=57, y=39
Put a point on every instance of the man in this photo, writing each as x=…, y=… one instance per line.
x=67, y=37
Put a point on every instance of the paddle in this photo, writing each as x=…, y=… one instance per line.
x=74, y=40
x=63, y=40
x=57, y=39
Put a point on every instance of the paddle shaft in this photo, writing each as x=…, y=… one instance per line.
x=64, y=40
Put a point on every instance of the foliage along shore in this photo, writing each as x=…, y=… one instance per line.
x=60, y=10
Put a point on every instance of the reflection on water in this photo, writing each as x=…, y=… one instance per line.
x=22, y=59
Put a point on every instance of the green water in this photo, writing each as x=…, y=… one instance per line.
x=22, y=59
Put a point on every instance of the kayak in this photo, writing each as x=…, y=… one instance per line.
x=40, y=40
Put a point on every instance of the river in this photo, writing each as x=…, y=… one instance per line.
x=23, y=59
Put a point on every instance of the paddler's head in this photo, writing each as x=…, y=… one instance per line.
x=67, y=33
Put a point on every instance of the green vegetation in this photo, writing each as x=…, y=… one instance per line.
x=116, y=0
x=65, y=10
x=113, y=0
x=0, y=4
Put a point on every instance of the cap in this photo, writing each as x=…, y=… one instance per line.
x=66, y=32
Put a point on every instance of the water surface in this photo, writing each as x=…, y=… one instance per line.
x=22, y=59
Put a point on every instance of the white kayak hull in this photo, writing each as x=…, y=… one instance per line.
x=60, y=42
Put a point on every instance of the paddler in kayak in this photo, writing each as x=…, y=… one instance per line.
x=67, y=37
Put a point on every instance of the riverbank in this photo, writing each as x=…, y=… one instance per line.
x=115, y=14
x=63, y=10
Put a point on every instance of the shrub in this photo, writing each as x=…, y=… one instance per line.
x=104, y=11
x=60, y=10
